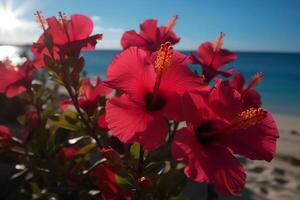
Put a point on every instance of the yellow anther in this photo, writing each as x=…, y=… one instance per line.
x=41, y=19
x=164, y=58
x=249, y=118
x=219, y=42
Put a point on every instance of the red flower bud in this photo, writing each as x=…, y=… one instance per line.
x=110, y=154
x=145, y=183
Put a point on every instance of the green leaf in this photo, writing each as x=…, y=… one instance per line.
x=22, y=119
x=124, y=182
x=36, y=191
x=68, y=120
x=171, y=183
x=135, y=150
x=86, y=149
x=153, y=168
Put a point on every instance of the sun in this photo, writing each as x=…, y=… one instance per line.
x=8, y=20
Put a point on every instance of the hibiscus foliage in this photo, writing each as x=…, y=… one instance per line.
x=140, y=134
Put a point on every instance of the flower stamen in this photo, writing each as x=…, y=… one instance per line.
x=248, y=118
x=162, y=63
x=164, y=58
x=255, y=80
x=64, y=22
x=41, y=19
x=217, y=45
x=171, y=23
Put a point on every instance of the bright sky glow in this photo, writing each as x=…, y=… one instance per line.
x=8, y=20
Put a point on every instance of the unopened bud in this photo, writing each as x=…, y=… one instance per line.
x=145, y=183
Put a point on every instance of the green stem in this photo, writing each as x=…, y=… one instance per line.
x=83, y=118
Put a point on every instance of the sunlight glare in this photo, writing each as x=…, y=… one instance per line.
x=8, y=20
x=12, y=53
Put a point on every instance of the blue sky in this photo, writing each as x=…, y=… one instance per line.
x=249, y=25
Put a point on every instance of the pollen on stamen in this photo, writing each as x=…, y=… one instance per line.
x=219, y=42
x=256, y=79
x=63, y=19
x=40, y=19
x=249, y=118
x=164, y=58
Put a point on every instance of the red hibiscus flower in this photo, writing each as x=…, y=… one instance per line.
x=209, y=141
x=15, y=80
x=64, y=37
x=211, y=58
x=106, y=182
x=151, y=36
x=151, y=92
x=90, y=95
x=5, y=135
x=250, y=97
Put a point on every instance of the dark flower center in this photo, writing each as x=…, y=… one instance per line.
x=151, y=105
x=202, y=133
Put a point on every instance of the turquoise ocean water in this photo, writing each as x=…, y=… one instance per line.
x=280, y=88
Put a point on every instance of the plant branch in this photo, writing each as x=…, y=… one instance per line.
x=83, y=118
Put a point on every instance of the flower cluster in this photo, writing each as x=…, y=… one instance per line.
x=151, y=120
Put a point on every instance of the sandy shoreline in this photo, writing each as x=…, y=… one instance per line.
x=287, y=122
x=279, y=179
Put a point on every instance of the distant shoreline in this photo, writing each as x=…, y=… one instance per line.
x=237, y=51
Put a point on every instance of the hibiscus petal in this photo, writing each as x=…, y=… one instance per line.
x=102, y=122
x=257, y=142
x=225, y=101
x=169, y=36
x=14, y=82
x=210, y=163
x=216, y=60
x=14, y=89
x=130, y=72
x=251, y=99
x=131, y=122
x=131, y=39
x=149, y=30
x=59, y=36
x=106, y=182
x=80, y=27
x=238, y=82
x=93, y=91
x=195, y=109
x=7, y=77
x=180, y=78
